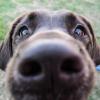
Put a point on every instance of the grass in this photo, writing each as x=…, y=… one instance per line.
x=9, y=9
x=95, y=95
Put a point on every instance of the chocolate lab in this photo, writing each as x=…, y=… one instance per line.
x=48, y=61
x=27, y=25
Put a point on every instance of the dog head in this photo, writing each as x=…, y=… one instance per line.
x=39, y=21
x=49, y=58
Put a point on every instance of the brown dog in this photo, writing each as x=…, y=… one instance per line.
x=48, y=62
x=72, y=24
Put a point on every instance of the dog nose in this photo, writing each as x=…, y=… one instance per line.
x=43, y=59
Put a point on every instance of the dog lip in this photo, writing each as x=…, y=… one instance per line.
x=42, y=96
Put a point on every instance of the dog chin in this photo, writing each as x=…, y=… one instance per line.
x=40, y=97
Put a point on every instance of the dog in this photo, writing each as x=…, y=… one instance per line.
x=51, y=56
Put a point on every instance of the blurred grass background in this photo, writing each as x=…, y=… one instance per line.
x=10, y=9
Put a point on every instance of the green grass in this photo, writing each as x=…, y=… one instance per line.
x=98, y=40
x=9, y=9
x=2, y=28
x=95, y=95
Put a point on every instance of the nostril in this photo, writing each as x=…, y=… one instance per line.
x=71, y=65
x=30, y=68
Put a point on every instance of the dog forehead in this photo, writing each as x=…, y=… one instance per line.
x=51, y=18
x=52, y=14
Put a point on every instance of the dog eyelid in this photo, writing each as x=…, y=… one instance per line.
x=23, y=31
x=79, y=30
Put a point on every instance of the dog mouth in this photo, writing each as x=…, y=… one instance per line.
x=41, y=97
x=44, y=95
x=51, y=70
x=49, y=94
x=50, y=89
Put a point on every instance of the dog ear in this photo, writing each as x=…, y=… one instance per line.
x=95, y=48
x=6, y=46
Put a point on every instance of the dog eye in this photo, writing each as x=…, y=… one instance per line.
x=23, y=31
x=79, y=31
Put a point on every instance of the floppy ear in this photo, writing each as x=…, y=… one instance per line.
x=95, y=51
x=6, y=46
x=5, y=52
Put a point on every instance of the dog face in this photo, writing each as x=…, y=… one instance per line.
x=48, y=61
x=67, y=22
x=39, y=21
x=50, y=65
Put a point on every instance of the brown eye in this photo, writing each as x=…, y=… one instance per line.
x=23, y=31
x=79, y=31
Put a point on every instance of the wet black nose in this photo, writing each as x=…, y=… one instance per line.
x=49, y=58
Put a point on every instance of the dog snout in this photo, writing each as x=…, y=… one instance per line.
x=48, y=63
x=43, y=59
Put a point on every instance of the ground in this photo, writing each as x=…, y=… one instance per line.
x=10, y=9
